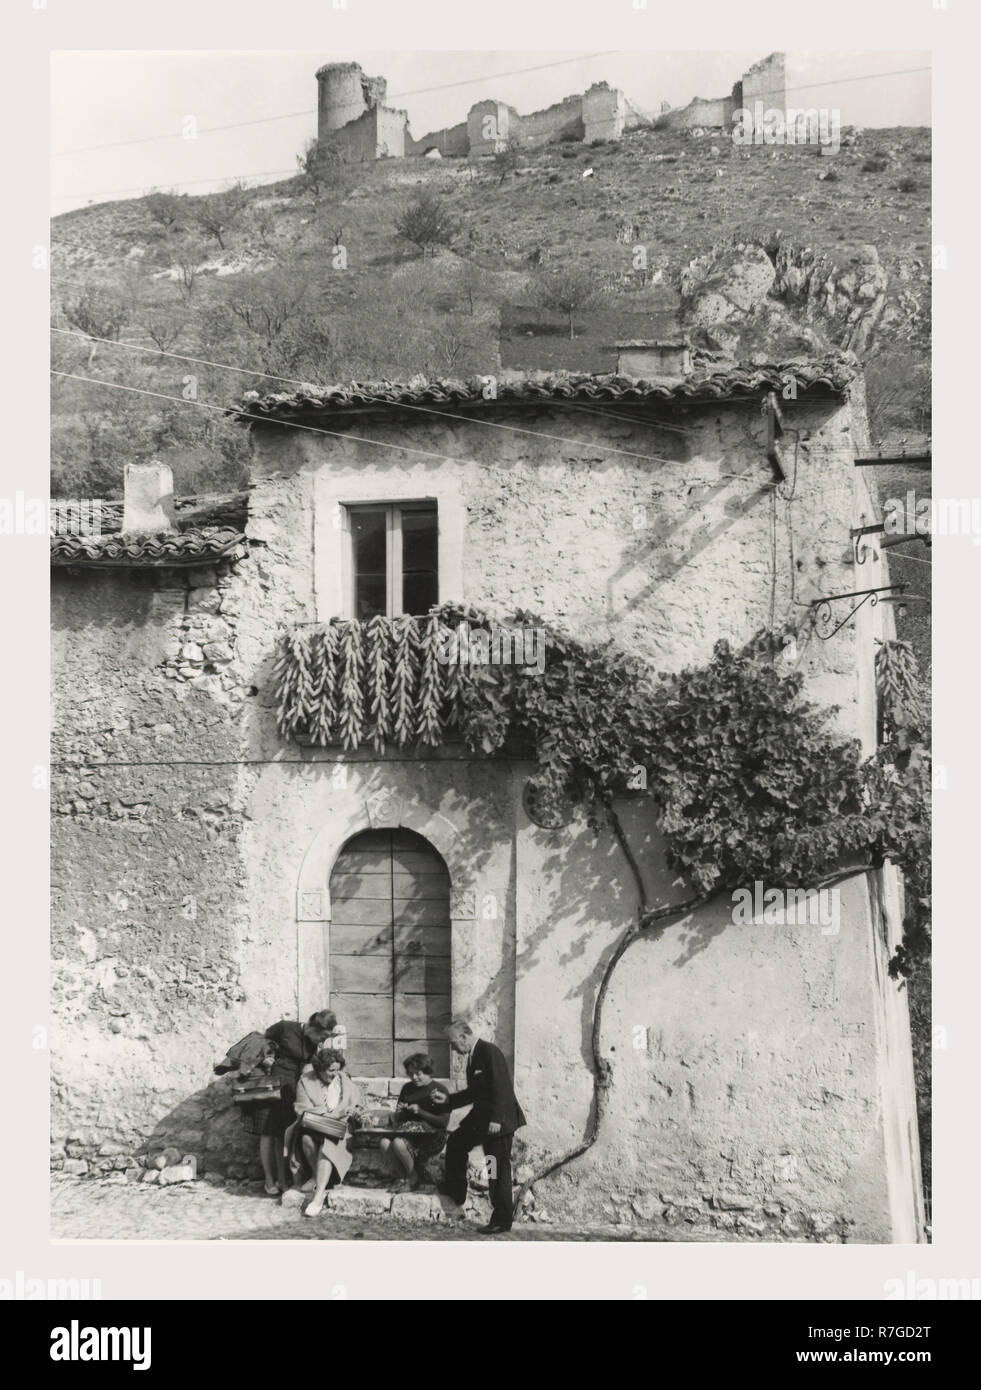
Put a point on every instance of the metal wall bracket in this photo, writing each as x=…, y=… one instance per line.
x=824, y=614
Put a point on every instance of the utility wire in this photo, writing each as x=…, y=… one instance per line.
x=312, y=110
x=446, y=86
x=244, y=415
x=274, y=173
x=293, y=381
x=312, y=429
x=432, y=410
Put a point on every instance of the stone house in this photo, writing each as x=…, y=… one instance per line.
x=211, y=876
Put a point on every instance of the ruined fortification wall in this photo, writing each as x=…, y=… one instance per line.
x=352, y=112
x=491, y=124
x=604, y=113
x=701, y=111
x=766, y=81
x=564, y=118
x=451, y=141
x=377, y=133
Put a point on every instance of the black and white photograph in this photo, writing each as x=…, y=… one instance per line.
x=482, y=751
x=490, y=606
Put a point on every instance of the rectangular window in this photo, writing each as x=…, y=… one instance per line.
x=394, y=557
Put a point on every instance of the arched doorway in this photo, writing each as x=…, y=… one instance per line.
x=389, y=966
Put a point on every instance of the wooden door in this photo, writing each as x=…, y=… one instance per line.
x=390, y=951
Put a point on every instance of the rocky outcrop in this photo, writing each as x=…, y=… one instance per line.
x=761, y=301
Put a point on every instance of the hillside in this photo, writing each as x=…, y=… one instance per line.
x=275, y=297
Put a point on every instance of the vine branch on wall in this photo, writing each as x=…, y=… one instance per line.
x=747, y=779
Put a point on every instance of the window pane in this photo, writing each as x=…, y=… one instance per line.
x=419, y=593
x=369, y=595
x=420, y=582
x=368, y=532
x=419, y=545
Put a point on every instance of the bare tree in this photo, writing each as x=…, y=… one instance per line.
x=570, y=291
x=218, y=213
x=185, y=269
x=266, y=303
x=98, y=312
x=263, y=223
x=163, y=323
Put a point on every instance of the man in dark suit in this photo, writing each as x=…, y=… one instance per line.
x=491, y=1123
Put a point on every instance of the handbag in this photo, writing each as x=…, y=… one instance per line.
x=330, y=1126
x=262, y=1090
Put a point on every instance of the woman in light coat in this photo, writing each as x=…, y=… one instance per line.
x=324, y=1088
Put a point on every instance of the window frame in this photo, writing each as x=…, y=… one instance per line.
x=394, y=575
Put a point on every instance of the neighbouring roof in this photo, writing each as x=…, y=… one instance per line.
x=192, y=513
x=709, y=382
x=203, y=546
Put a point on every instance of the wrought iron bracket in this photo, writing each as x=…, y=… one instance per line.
x=824, y=614
x=858, y=533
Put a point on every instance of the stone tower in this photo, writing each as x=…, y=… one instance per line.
x=344, y=93
x=766, y=81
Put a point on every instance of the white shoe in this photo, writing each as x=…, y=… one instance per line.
x=315, y=1207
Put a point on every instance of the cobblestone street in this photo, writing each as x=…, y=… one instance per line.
x=82, y=1209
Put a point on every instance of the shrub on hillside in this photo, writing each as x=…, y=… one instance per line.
x=427, y=222
x=321, y=165
x=874, y=164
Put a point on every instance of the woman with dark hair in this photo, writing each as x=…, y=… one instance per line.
x=295, y=1044
x=324, y=1090
x=420, y=1117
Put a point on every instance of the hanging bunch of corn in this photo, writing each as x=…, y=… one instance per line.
x=322, y=717
x=429, y=726
x=291, y=675
x=405, y=667
x=453, y=677
x=378, y=642
x=350, y=685
x=381, y=681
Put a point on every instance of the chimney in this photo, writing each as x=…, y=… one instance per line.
x=651, y=359
x=148, y=497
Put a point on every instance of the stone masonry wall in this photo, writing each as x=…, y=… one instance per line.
x=760, y=1100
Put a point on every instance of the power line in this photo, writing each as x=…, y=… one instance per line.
x=313, y=429
x=279, y=173
x=381, y=400
x=187, y=183
x=840, y=81
x=244, y=415
x=294, y=381
x=376, y=400
x=312, y=111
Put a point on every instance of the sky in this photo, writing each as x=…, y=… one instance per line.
x=110, y=98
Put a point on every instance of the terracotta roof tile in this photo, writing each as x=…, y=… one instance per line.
x=709, y=382
x=201, y=547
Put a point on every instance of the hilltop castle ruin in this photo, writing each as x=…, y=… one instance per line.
x=352, y=113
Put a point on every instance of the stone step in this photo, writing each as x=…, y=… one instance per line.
x=407, y=1206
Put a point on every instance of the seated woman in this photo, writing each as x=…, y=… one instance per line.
x=324, y=1088
x=419, y=1110
x=294, y=1043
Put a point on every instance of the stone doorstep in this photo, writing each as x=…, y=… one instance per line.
x=407, y=1206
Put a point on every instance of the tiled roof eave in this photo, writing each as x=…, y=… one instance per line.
x=827, y=378
x=179, y=551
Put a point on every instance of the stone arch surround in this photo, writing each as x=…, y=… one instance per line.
x=384, y=810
